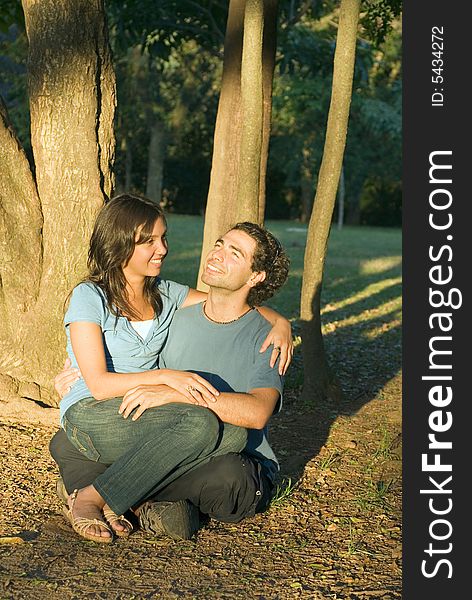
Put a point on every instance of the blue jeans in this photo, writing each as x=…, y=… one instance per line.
x=146, y=455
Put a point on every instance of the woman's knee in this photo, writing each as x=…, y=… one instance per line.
x=232, y=438
x=209, y=423
x=204, y=425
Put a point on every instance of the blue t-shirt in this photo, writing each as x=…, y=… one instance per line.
x=227, y=355
x=125, y=350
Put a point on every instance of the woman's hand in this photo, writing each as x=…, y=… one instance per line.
x=143, y=397
x=195, y=388
x=281, y=337
x=66, y=379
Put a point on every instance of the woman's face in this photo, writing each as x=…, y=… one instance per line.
x=147, y=257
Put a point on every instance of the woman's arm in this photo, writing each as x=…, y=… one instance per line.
x=280, y=336
x=194, y=297
x=87, y=344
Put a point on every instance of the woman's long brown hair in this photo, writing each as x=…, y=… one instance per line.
x=112, y=245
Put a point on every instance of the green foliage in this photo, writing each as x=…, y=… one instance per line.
x=167, y=58
x=13, y=80
x=11, y=13
x=378, y=17
x=300, y=106
x=381, y=202
x=283, y=491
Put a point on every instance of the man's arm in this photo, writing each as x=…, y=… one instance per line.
x=252, y=410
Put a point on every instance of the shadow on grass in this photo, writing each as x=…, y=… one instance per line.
x=362, y=337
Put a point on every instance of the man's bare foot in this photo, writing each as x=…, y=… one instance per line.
x=85, y=513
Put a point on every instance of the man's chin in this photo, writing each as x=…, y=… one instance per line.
x=208, y=278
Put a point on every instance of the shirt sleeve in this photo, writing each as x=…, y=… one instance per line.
x=263, y=375
x=175, y=292
x=86, y=304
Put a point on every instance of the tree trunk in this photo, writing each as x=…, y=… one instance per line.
x=269, y=46
x=318, y=382
x=223, y=209
x=46, y=223
x=221, y=203
x=156, y=162
x=252, y=109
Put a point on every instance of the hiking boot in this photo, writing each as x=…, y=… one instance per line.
x=180, y=520
x=61, y=490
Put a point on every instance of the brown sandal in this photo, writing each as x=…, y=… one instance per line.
x=81, y=524
x=112, y=518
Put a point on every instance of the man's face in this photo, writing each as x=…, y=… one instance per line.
x=229, y=264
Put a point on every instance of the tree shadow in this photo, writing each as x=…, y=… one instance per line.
x=363, y=345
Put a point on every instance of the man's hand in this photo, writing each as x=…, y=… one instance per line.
x=281, y=336
x=148, y=396
x=66, y=379
x=195, y=388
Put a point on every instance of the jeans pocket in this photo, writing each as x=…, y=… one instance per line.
x=81, y=440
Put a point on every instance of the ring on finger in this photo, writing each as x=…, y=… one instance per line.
x=190, y=388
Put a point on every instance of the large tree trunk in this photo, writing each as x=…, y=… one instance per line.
x=156, y=162
x=318, y=382
x=47, y=222
x=234, y=137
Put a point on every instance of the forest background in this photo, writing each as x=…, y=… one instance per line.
x=168, y=63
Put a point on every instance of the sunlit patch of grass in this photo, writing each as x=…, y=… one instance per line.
x=370, y=290
x=376, y=494
x=384, y=448
x=383, y=310
x=376, y=332
x=332, y=458
x=379, y=265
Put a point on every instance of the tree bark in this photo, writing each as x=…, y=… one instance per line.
x=318, y=381
x=156, y=162
x=226, y=180
x=21, y=255
x=72, y=100
x=252, y=112
x=269, y=46
x=222, y=194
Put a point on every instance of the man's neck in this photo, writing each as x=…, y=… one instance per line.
x=223, y=306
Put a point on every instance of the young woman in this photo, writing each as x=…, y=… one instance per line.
x=116, y=324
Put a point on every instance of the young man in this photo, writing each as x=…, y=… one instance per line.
x=219, y=339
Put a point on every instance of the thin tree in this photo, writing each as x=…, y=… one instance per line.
x=47, y=212
x=252, y=109
x=241, y=140
x=318, y=381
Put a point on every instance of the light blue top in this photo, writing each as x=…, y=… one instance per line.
x=227, y=355
x=125, y=350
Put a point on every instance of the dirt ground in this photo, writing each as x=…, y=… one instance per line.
x=333, y=532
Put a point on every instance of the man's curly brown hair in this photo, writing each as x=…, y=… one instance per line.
x=270, y=257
